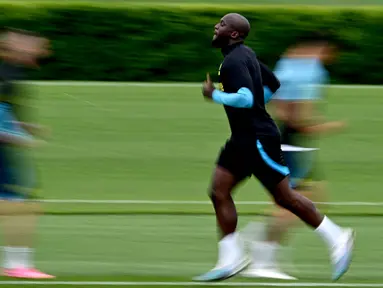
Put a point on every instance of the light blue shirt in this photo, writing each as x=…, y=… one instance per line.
x=300, y=79
x=8, y=123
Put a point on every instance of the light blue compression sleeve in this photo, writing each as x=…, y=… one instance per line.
x=267, y=94
x=242, y=99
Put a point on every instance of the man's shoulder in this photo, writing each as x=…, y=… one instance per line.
x=6, y=73
x=231, y=61
x=244, y=51
x=236, y=58
x=2, y=71
x=248, y=49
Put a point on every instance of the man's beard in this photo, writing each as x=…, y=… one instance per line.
x=220, y=42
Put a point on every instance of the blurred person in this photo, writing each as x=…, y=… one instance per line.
x=254, y=148
x=302, y=73
x=18, y=180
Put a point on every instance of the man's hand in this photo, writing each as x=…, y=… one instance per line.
x=35, y=143
x=44, y=132
x=339, y=125
x=326, y=127
x=35, y=129
x=208, y=87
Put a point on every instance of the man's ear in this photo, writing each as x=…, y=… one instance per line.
x=234, y=35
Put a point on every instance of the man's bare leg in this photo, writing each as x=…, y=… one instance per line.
x=231, y=259
x=340, y=241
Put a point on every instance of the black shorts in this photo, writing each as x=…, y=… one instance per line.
x=18, y=175
x=261, y=157
x=304, y=169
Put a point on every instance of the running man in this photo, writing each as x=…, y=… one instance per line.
x=302, y=73
x=254, y=148
x=18, y=179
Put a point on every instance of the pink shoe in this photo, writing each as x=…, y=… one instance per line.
x=26, y=273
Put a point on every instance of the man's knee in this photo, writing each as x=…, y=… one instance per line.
x=290, y=199
x=222, y=185
x=281, y=199
x=218, y=194
x=284, y=196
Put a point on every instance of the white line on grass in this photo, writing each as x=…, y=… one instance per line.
x=111, y=84
x=81, y=100
x=148, y=84
x=86, y=102
x=228, y=284
x=176, y=202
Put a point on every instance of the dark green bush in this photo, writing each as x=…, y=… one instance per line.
x=142, y=43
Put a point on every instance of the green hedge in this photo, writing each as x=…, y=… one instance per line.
x=142, y=43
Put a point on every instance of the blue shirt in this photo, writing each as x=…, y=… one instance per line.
x=300, y=79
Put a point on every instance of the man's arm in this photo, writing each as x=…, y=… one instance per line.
x=324, y=127
x=270, y=82
x=16, y=136
x=242, y=99
x=269, y=79
x=34, y=129
x=15, y=139
x=237, y=78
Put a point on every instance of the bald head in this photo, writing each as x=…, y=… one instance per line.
x=232, y=28
x=238, y=23
x=23, y=47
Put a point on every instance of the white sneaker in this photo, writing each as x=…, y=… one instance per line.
x=341, y=254
x=231, y=260
x=254, y=271
x=253, y=232
x=222, y=272
x=263, y=263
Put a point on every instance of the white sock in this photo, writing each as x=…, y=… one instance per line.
x=17, y=257
x=228, y=250
x=329, y=231
x=264, y=254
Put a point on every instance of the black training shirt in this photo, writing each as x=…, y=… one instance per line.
x=241, y=69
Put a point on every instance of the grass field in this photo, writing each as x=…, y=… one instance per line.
x=130, y=142
x=174, y=249
x=159, y=142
